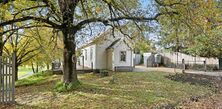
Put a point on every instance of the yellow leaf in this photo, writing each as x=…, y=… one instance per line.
x=98, y=9
x=109, y=1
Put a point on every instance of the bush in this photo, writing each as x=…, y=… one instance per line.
x=61, y=87
x=113, y=80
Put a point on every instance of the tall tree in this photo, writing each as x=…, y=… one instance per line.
x=71, y=16
x=196, y=17
x=24, y=47
x=51, y=47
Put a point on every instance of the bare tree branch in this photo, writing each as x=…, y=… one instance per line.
x=170, y=4
x=26, y=18
x=106, y=21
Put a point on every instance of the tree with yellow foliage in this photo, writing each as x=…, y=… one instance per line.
x=71, y=16
x=33, y=46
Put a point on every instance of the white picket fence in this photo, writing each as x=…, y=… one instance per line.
x=176, y=57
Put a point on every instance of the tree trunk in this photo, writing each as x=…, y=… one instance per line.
x=37, y=67
x=1, y=42
x=16, y=71
x=1, y=46
x=47, y=66
x=67, y=7
x=33, y=69
x=69, y=64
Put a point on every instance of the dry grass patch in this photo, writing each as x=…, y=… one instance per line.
x=128, y=90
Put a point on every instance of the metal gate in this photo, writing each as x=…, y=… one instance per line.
x=7, y=79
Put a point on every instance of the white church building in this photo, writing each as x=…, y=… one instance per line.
x=108, y=52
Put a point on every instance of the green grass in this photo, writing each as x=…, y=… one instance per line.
x=61, y=87
x=23, y=71
x=35, y=79
x=121, y=90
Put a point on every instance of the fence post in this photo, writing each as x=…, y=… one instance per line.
x=183, y=65
x=205, y=66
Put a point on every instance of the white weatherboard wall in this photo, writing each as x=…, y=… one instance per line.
x=121, y=46
x=106, y=53
x=89, y=61
x=110, y=59
x=101, y=54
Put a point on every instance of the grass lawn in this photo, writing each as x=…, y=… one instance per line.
x=129, y=90
x=23, y=71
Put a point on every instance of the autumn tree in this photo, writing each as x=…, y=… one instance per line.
x=51, y=46
x=25, y=48
x=72, y=16
x=195, y=18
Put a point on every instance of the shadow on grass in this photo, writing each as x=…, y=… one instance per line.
x=23, y=106
x=197, y=79
x=16, y=105
x=131, y=89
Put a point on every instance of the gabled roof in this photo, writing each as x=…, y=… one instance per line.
x=95, y=40
x=104, y=36
x=114, y=43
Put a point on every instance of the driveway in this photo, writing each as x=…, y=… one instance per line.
x=162, y=69
x=173, y=70
x=209, y=73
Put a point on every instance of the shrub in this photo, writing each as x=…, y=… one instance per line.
x=61, y=87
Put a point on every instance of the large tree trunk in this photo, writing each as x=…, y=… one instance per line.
x=16, y=67
x=67, y=8
x=69, y=64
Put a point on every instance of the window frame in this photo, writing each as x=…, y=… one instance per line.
x=124, y=54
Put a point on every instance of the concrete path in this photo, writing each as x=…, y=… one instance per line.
x=209, y=73
x=26, y=75
x=172, y=70
x=163, y=69
x=79, y=67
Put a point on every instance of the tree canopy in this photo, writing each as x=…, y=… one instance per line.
x=193, y=30
x=176, y=18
